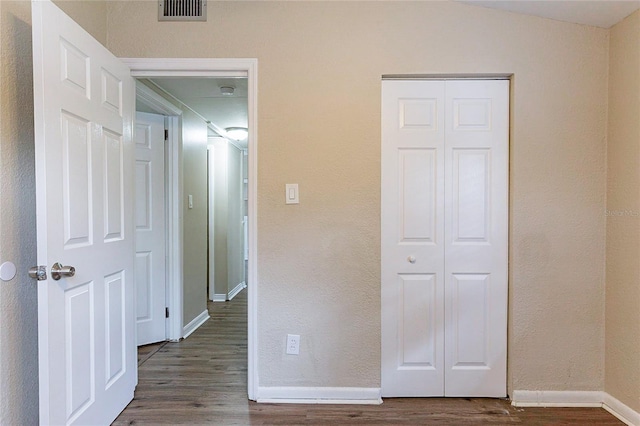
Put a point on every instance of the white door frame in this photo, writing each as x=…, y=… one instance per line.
x=192, y=67
x=173, y=231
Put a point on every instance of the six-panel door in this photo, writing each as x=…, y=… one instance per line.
x=444, y=237
x=84, y=99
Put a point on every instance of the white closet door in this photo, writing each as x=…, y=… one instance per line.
x=412, y=238
x=476, y=237
x=444, y=237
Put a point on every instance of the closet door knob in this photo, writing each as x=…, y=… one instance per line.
x=411, y=259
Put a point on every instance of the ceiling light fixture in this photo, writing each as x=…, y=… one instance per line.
x=227, y=90
x=237, y=133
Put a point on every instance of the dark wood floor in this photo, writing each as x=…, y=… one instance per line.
x=203, y=381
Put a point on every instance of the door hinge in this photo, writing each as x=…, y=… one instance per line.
x=166, y=312
x=166, y=134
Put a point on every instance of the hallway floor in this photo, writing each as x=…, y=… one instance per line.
x=202, y=380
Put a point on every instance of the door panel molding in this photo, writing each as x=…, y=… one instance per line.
x=444, y=215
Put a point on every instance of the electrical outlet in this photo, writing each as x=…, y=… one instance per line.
x=293, y=344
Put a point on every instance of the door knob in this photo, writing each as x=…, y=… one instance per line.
x=411, y=259
x=58, y=271
x=38, y=272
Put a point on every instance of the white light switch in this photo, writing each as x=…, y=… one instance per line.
x=291, y=193
x=190, y=201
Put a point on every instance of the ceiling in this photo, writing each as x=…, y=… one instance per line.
x=598, y=13
x=202, y=94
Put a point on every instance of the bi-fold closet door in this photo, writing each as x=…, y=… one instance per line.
x=444, y=237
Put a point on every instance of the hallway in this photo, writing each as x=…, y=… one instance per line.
x=202, y=380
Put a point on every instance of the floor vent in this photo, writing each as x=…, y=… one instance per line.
x=182, y=10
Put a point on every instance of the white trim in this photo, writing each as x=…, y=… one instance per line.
x=157, y=67
x=219, y=297
x=153, y=100
x=319, y=395
x=237, y=289
x=195, y=323
x=623, y=412
x=522, y=398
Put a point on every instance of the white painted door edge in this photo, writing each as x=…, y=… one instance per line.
x=193, y=67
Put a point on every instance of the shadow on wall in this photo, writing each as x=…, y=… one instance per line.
x=18, y=297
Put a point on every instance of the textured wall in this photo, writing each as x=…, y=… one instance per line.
x=194, y=162
x=235, y=242
x=221, y=215
x=229, y=254
x=18, y=298
x=90, y=14
x=622, y=368
x=320, y=65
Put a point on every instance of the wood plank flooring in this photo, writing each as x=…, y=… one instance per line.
x=203, y=381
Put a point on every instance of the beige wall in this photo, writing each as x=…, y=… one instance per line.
x=320, y=65
x=221, y=215
x=622, y=368
x=194, y=163
x=319, y=125
x=18, y=297
x=228, y=237
x=90, y=14
x=235, y=233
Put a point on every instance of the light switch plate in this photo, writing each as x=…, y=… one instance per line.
x=190, y=201
x=291, y=194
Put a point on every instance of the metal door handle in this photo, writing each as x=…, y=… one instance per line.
x=38, y=272
x=411, y=259
x=58, y=271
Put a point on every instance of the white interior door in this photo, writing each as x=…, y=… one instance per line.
x=413, y=238
x=476, y=237
x=444, y=237
x=84, y=100
x=150, y=228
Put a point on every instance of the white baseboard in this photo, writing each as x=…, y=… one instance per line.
x=319, y=395
x=222, y=297
x=195, y=324
x=624, y=413
x=522, y=398
x=237, y=289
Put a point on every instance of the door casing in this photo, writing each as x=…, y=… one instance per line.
x=195, y=67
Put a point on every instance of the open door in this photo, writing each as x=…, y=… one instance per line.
x=84, y=101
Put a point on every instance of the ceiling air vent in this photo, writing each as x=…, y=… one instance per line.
x=182, y=10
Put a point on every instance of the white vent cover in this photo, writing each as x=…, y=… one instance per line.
x=182, y=10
